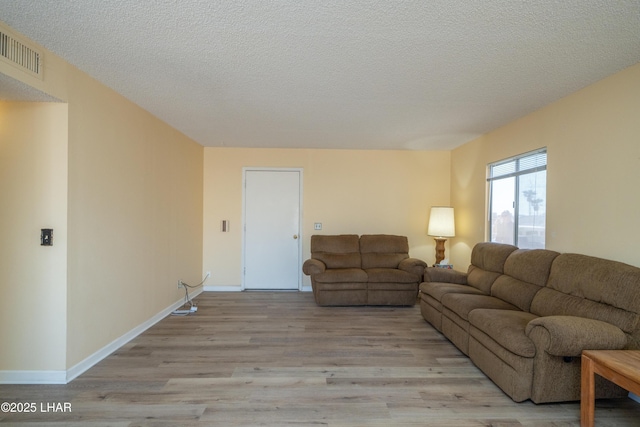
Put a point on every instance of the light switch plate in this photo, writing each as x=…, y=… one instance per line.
x=46, y=237
x=317, y=226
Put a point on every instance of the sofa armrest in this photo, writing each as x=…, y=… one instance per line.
x=313, y=266
x=569, y=335
x=413, y=265
x=436, y=274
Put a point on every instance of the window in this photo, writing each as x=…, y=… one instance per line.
x=517, y=200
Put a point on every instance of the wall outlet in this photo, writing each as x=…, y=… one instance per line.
x=180, y=285
x=317, y=226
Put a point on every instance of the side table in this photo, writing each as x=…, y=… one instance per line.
x=621, y=367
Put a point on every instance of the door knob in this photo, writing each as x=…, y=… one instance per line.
x=295, y=236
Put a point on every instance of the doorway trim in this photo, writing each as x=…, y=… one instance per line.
x=244, y=219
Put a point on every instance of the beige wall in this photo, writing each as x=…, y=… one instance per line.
x=33, y=278
x=135, y=215
x=593, y=169
x=123, y=192
x=347, y=191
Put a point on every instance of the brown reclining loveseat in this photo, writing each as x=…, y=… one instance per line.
x=374, y=269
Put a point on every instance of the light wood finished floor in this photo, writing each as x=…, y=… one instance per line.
x=275, y=358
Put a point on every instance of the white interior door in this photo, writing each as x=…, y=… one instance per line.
x=272, y=229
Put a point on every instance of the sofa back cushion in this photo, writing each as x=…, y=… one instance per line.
x=487, y=264
x=549, y=302
x=580, y=285
x=341, y=251
x=383, y=250
x=525, y=272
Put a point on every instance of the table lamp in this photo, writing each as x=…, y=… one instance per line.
x=441, y=225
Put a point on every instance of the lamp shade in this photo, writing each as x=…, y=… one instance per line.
x=441, y=222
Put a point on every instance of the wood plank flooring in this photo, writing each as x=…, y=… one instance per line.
x=277, y=359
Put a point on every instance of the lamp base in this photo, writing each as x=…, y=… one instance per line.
x=439, y=249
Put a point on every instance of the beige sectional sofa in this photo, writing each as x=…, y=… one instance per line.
x=524, y=316
x=374, y=269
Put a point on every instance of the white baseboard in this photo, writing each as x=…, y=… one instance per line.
x=33, y=377
x=222, y=289
x=64, y=377
x=96, y=357
x=239, y=289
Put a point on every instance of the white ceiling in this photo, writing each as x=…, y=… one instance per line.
x=362, y=74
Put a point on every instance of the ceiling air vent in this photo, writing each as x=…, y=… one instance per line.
x=18, y=53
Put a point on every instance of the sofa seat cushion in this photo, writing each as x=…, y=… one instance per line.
x=437, y=290
x=342, y=275
x=505, y=327
x=393, y=286
x=382, y=275
x=463, y=304
x=341, y=287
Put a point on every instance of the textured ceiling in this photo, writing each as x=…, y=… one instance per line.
x=374, y=74
x=14, y=90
